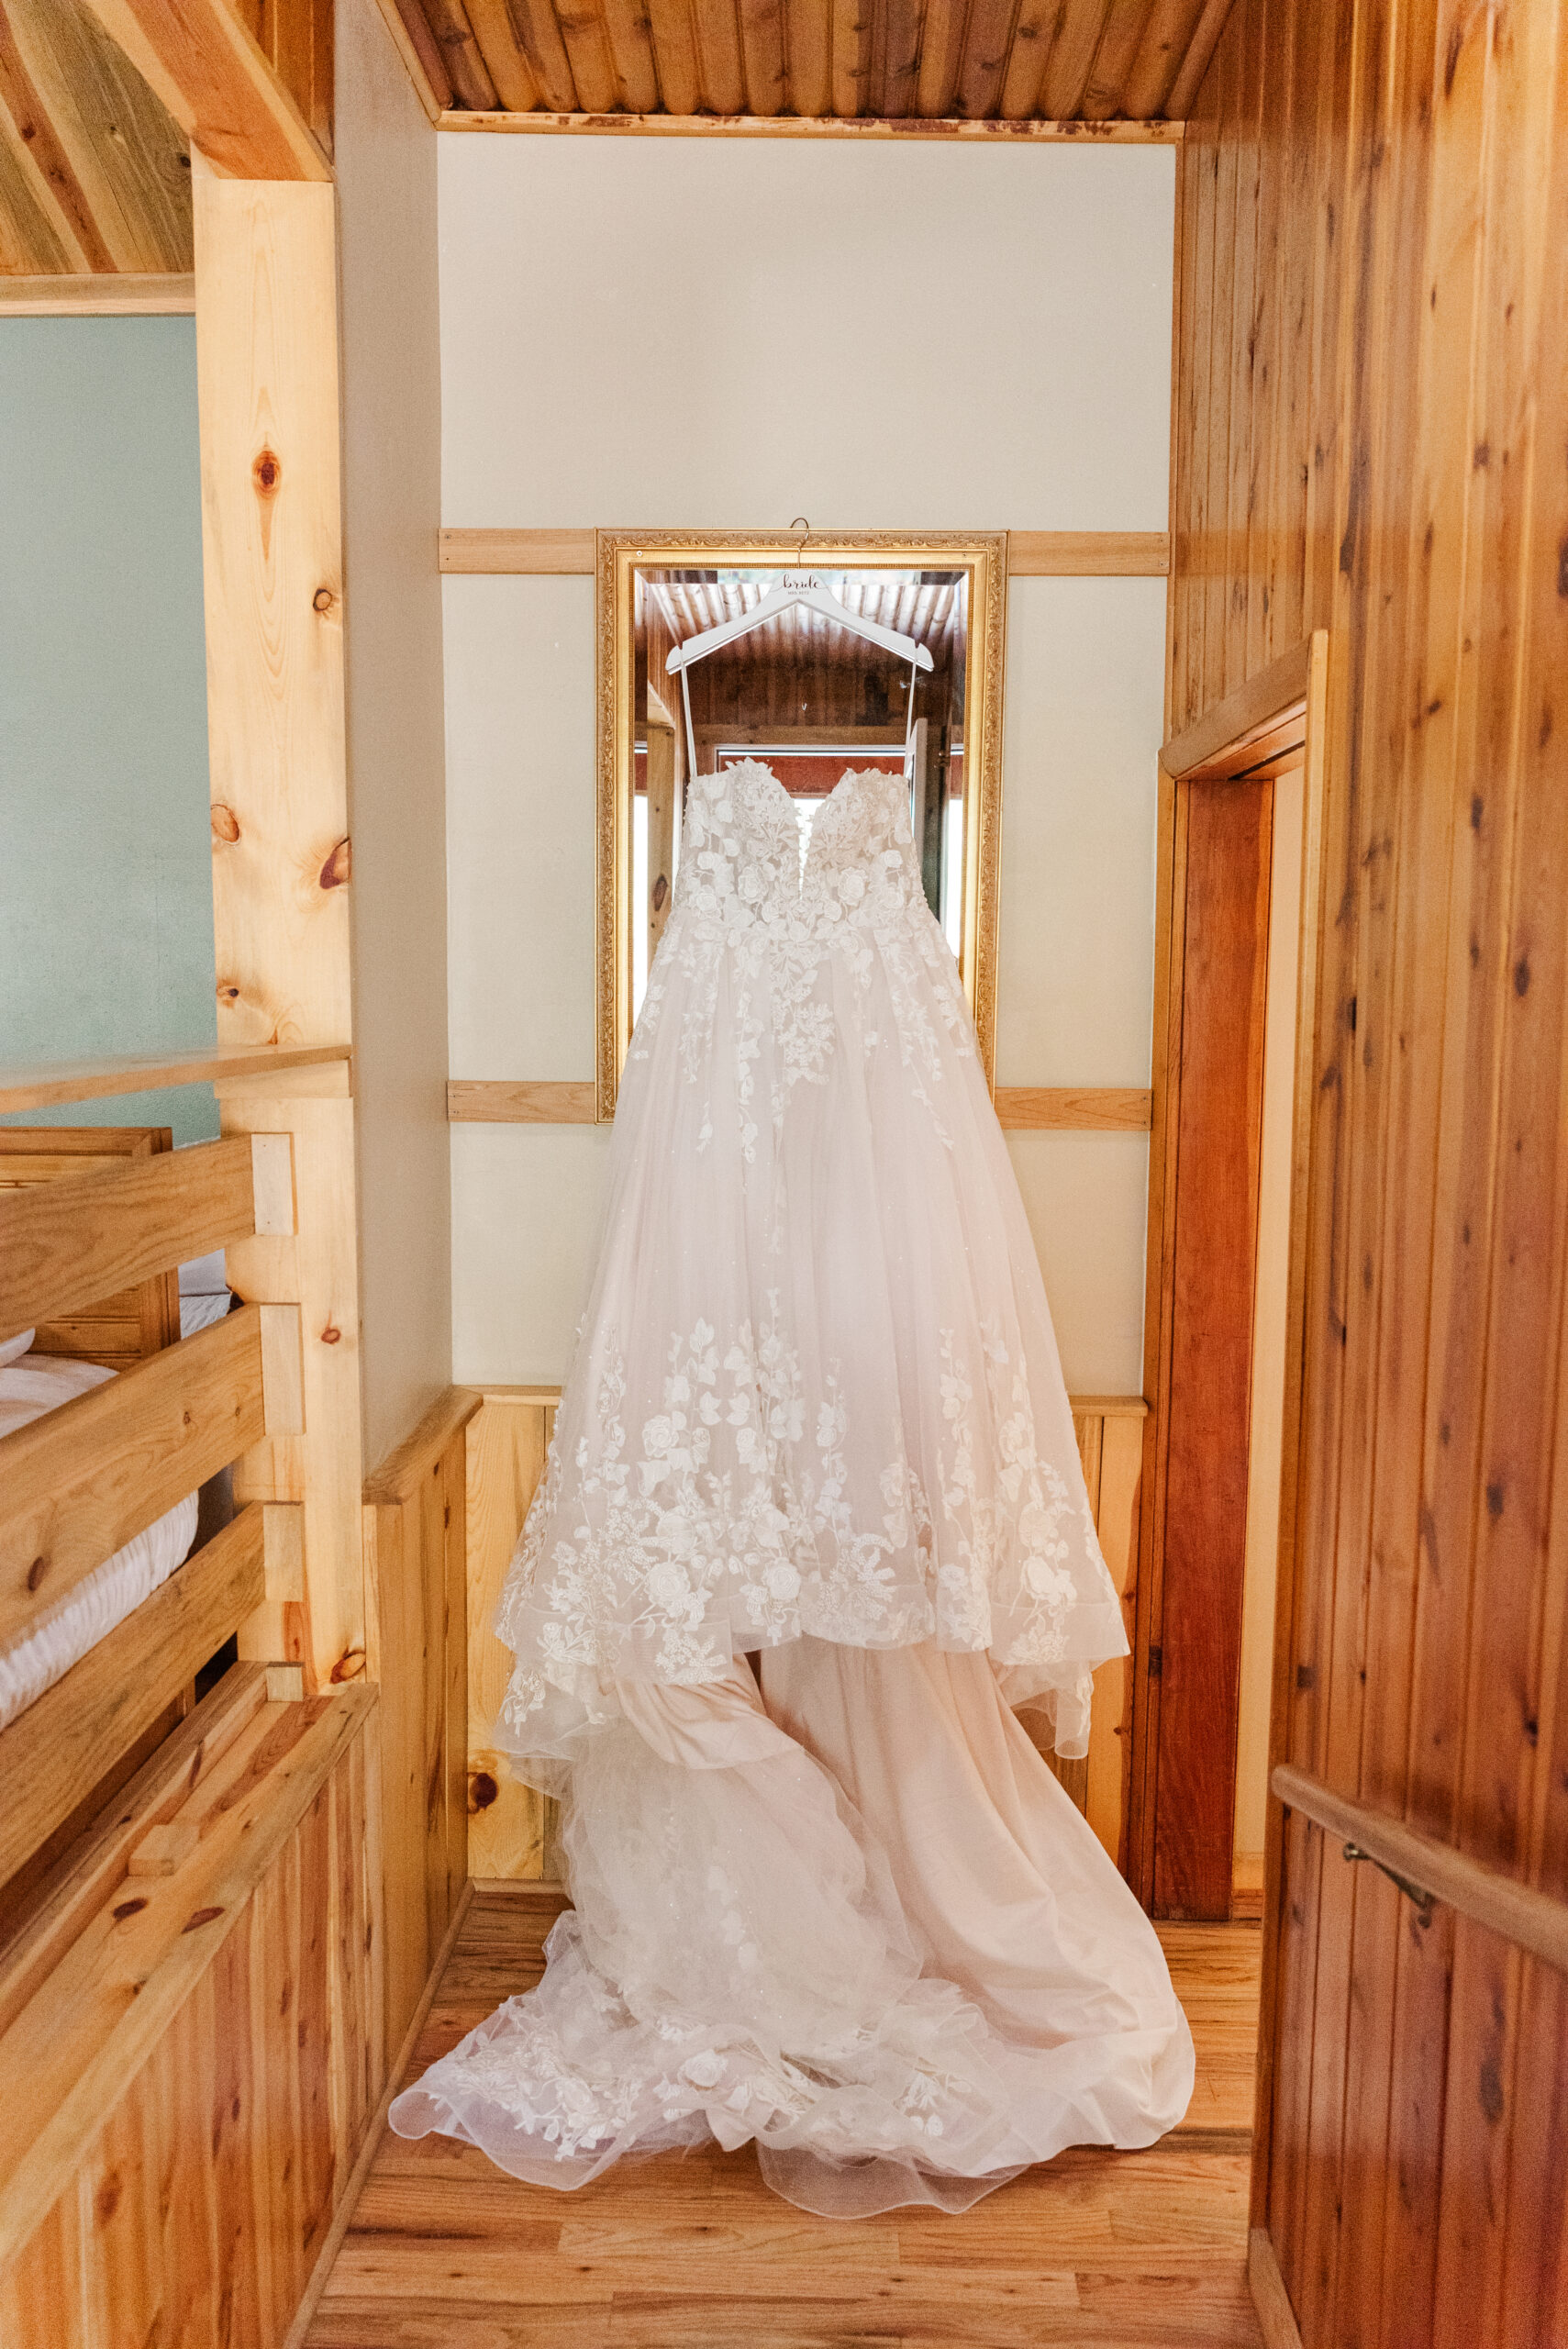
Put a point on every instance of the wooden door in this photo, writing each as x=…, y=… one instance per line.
x=1215, y=1104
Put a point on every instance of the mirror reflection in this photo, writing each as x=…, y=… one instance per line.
x=815, y=672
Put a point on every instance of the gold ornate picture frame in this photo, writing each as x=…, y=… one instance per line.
x=983, y=555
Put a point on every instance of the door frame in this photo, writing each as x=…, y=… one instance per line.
x=1270, y=722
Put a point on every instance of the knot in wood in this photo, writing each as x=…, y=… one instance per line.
x=224, y=822
x=266, y=473
x=36, y=1572
x=350, y=1666
x=336, y=869
x=482, y=1790
x=323, y=600
x=332, y=1334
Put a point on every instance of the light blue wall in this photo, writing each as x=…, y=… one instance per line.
x=106, y=876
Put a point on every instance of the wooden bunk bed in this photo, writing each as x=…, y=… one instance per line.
x=192, y=2008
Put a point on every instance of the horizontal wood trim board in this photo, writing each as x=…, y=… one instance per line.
x=49, y=1084
x=1516, y=1912
x=54, y=1752
x=67, y=1244
x=1255, y=707
x=1088, y=555
x=1031, y=554
x=1082, y=1406
x=1091, y=1108
x=76, y=1485
x=398, y=1475
x=102, y=294
x=44, y=2139
x=1021, y=1107
x=1156, y=133
x=487, y=1101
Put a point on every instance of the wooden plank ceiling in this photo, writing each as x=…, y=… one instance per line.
x=94, y=168
x=1072, y=62
x=94, y=172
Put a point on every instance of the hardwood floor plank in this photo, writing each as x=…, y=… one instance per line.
x=692, y=2250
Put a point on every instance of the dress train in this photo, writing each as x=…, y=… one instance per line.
x=908, y=2003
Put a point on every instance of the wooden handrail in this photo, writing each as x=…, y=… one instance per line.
x=64, y=1244
x=1516, y=1912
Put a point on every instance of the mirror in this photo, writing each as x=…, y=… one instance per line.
x=809, y=695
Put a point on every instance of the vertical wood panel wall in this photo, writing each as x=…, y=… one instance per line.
x=1371, y=420
x=416, y=1543
x=511, y=1829
x=191, y=2055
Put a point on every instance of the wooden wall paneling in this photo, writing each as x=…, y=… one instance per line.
x=1535, y=2272
x=1390, y=470
x=1110, y=1734
x=1240, y=587
x=1218, y=1111
x=416, y=1576
x=1213, y=450
x=507, y=1447
x=1393, y=1143
x=267, y=390
x=1364, y=908
x=175, y=2156
x=1518, y=1614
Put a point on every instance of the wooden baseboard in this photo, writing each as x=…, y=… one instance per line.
x=343, y=2216
x=1276, y=2318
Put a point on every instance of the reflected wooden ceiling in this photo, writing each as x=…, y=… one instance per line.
x=929, y=612
x=1070, y=62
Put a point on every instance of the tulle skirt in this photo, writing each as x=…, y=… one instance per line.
x=818, y=1389
x=864, y=1928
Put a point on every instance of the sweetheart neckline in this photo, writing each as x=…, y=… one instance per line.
x=850, y=774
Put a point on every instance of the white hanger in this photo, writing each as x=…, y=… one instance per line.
x=803, y=587
x=797, y=587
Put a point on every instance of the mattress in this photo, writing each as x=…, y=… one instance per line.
x=63, y=1633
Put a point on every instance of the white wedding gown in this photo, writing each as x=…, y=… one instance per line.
x=816, y=1413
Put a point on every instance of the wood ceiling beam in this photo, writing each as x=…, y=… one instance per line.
x=215, y=80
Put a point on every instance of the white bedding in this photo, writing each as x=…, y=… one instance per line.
x=64, y=1632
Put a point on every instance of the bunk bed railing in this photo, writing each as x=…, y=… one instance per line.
x=80, y=1482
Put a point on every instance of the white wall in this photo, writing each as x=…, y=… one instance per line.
x=385, y=155
x=721, y=333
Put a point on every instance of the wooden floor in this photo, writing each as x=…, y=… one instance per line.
x=445, y=2252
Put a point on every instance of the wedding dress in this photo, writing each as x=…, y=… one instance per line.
x=815, y=1415
x=817, y=1389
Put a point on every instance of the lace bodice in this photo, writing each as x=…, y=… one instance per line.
x=741, y=864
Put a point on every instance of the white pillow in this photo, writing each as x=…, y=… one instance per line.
x=13, y=1349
